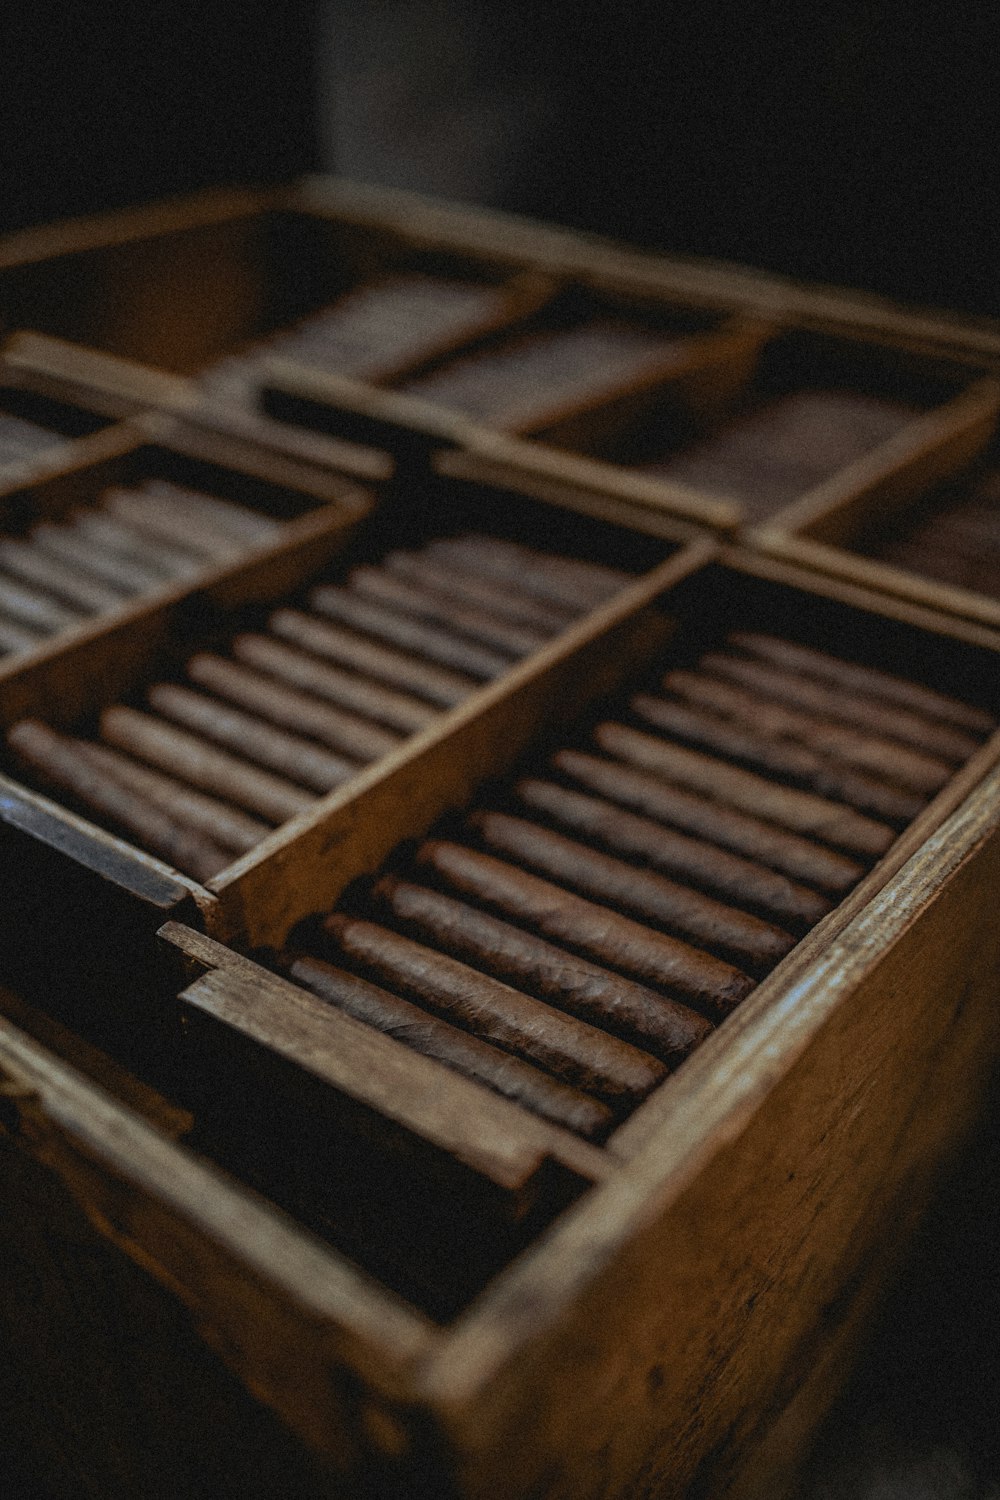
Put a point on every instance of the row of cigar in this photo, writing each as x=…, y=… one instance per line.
x=958, y=543
x=575, y=936
x=22, y=439
x=132, y=542
x=515, y=384
x=380, y=326
x=769, y=454
x=208, y=765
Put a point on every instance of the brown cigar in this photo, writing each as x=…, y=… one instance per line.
x=164, y=523
x=579, y=1054
x=190, y=759
x=14, y=637
x=502, y=600
x=744, y=881
x=36, y=610
x=713, y=987
x=60, y=761
x=222, y=825
x=416, y=636
x=36, y=567
x=239, y=522
x=781, y=758
x=67, y=545
x=116, y=537
x=358, y=738
x=362, y=694
x=866, y=681
x=735, y=935
x=562, y=581
x=801, y=812
x=893, y=724
x=513, y=639
x=798, y=858
x=437, y=684
x=466, y=1054
x=297, y=759
x=663, y=1027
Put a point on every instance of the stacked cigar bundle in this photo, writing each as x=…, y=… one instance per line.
x=521, y=383
x=131, y=542
x=22, y=439
x=955, y=540
x=573, y=939
x=370, y=331
x=769, y=455
x=249, y=739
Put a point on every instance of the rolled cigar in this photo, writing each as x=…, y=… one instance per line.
x=225, y=826
x=79, y=591
x=190, y=759
x=735, y=935
x=749, y=884
x=503, y=600
x=30, y=607
x=67, y=545
x=781, y=758
x=800, y=859
x=512, y=639
x=829, y=702
x=710, y=985
x=667, y=1029
x=372, y=699
x=433, y=1037
x=579, y=1054
x=437, y=684
x=800, y=812
x=565, y=581
x=59, y=760
x=123, y=540
x=237, y=521
x=14, y=637
x=359, y=739
x=885, y=759
x=300, y=761
x=179, y=529
x=869, y=682
x=417, y=636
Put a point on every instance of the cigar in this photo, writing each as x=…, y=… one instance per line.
x=437, y=684
x=123, y=540
x=359, y=739
x=416, y=636
x=372, y=699
x=14, y=637
x=866, y=681
x=38, y=611
x=799, y=859
x=608, y=938
x=504, y=601
x=64, y=763
x=410, y=598
x=466, y=1054
x=742, y=939
x=190, y=759
x=667, y=1029
x=781, y=758
x=563, y=581
x=67, y=545
x=226, y=826
x=238, y=522
x=742, y=881
x=799, y=812
x=578, y=1054
x=833, y=703
x=179, y=529
x=79, y=591
x=289, y=756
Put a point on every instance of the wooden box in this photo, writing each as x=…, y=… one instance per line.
x=438, y=1291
